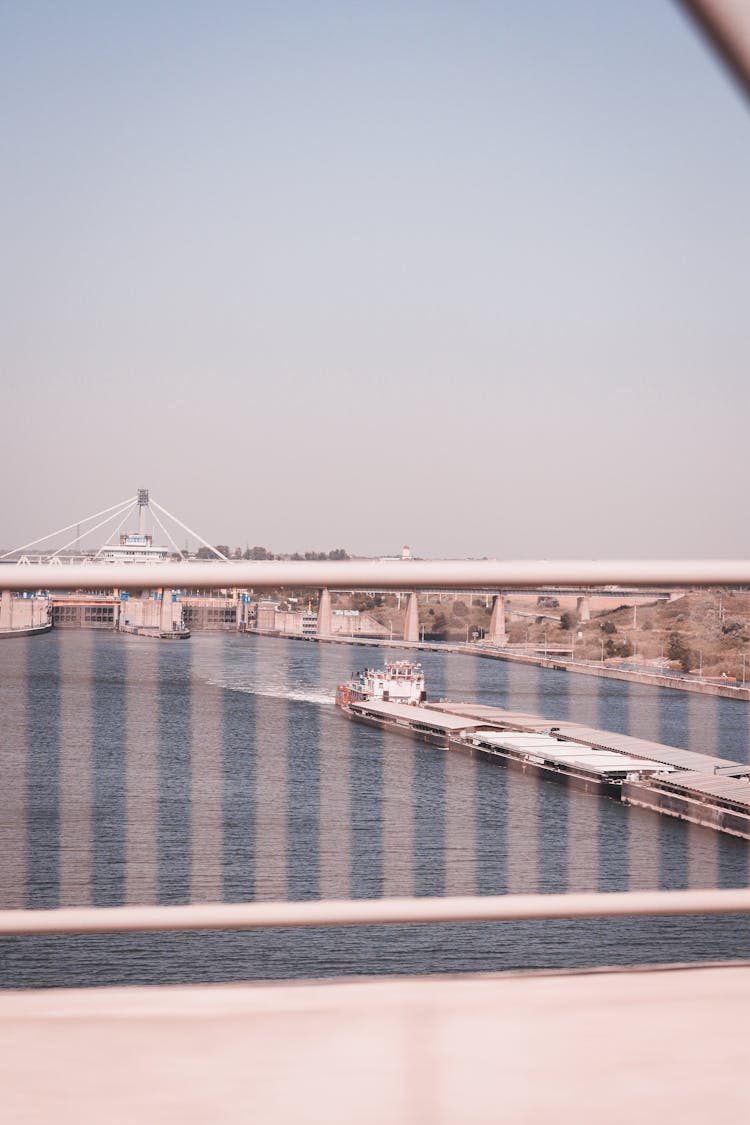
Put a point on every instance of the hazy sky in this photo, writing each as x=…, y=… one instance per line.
x=468, y=275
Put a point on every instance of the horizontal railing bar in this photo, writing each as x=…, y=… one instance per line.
x=726, y=24
x=480, y=574
x=369, y=912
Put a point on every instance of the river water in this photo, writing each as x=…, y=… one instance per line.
x=219, y=769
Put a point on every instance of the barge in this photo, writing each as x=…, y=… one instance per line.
x=705, y=790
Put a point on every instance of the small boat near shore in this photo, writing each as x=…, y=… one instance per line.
x=155, y=633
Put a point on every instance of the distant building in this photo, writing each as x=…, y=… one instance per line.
x=135, y=548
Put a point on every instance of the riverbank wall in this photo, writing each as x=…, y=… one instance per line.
x=579, y=667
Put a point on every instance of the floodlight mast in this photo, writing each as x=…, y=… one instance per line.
x=142, y=509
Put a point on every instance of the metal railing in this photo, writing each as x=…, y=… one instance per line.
x=383, y=574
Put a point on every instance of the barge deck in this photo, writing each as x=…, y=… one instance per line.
x=701, y=788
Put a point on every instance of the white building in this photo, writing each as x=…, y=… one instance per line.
x=137, y=547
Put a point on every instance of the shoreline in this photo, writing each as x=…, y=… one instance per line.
x=579, y=667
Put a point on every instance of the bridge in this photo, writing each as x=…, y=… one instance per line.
x=484, y=575
x=136, y=564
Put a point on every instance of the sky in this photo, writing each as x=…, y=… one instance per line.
x=471, y=276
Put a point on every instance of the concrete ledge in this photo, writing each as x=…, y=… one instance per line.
x=22, y=631
x=646, y=1046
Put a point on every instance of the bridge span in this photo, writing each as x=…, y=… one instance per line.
x=580, y=578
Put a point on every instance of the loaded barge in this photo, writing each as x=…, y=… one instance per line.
x=703, y=789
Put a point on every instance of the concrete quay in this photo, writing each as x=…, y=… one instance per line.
x=24, y=617
x=556, y=662
x=655, y=679
x=632, y=1045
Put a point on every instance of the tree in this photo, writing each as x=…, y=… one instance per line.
x=567, y=620
x=439, y=630
x=678, y=650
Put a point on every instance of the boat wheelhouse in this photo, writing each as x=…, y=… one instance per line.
x=400, y=681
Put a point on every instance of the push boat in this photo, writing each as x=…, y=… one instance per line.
x=401, y=681
x=393, y=698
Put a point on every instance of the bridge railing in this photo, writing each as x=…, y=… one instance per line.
x=386, y=574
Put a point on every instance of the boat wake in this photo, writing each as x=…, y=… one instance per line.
x=276, y=691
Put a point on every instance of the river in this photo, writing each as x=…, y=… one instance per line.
x=218, y=769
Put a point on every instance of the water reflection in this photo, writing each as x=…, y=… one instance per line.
x=13, y=774
x=398, y=816
x=208, y=745
x=175, y=754
x=42, y=775
x=76, y=773
x=271, y=715
x=334, y=804
x=140, y=690
x=236, y=750
x=368, y=830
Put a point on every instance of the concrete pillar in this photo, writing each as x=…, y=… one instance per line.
x=165, y=616
x=497, y=632
x=324, y=613
x=6, y=610
x=583, y=608
x=411, y=621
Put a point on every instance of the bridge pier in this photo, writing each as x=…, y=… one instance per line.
x=497, y=632
x=583, y=608
x=6, y=610
x=411, y=621
x=324, y=613
x=165, y=611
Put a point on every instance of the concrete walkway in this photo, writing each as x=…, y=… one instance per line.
x=605, y=1047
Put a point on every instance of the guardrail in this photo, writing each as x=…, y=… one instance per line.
x=375, y=912
x=384, y=574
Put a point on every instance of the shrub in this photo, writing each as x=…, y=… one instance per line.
x=622, y=649
x=732, y=628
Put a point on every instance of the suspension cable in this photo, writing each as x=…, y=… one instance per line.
x=60, y=531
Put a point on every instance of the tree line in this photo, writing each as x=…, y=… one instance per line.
x=262, y=554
